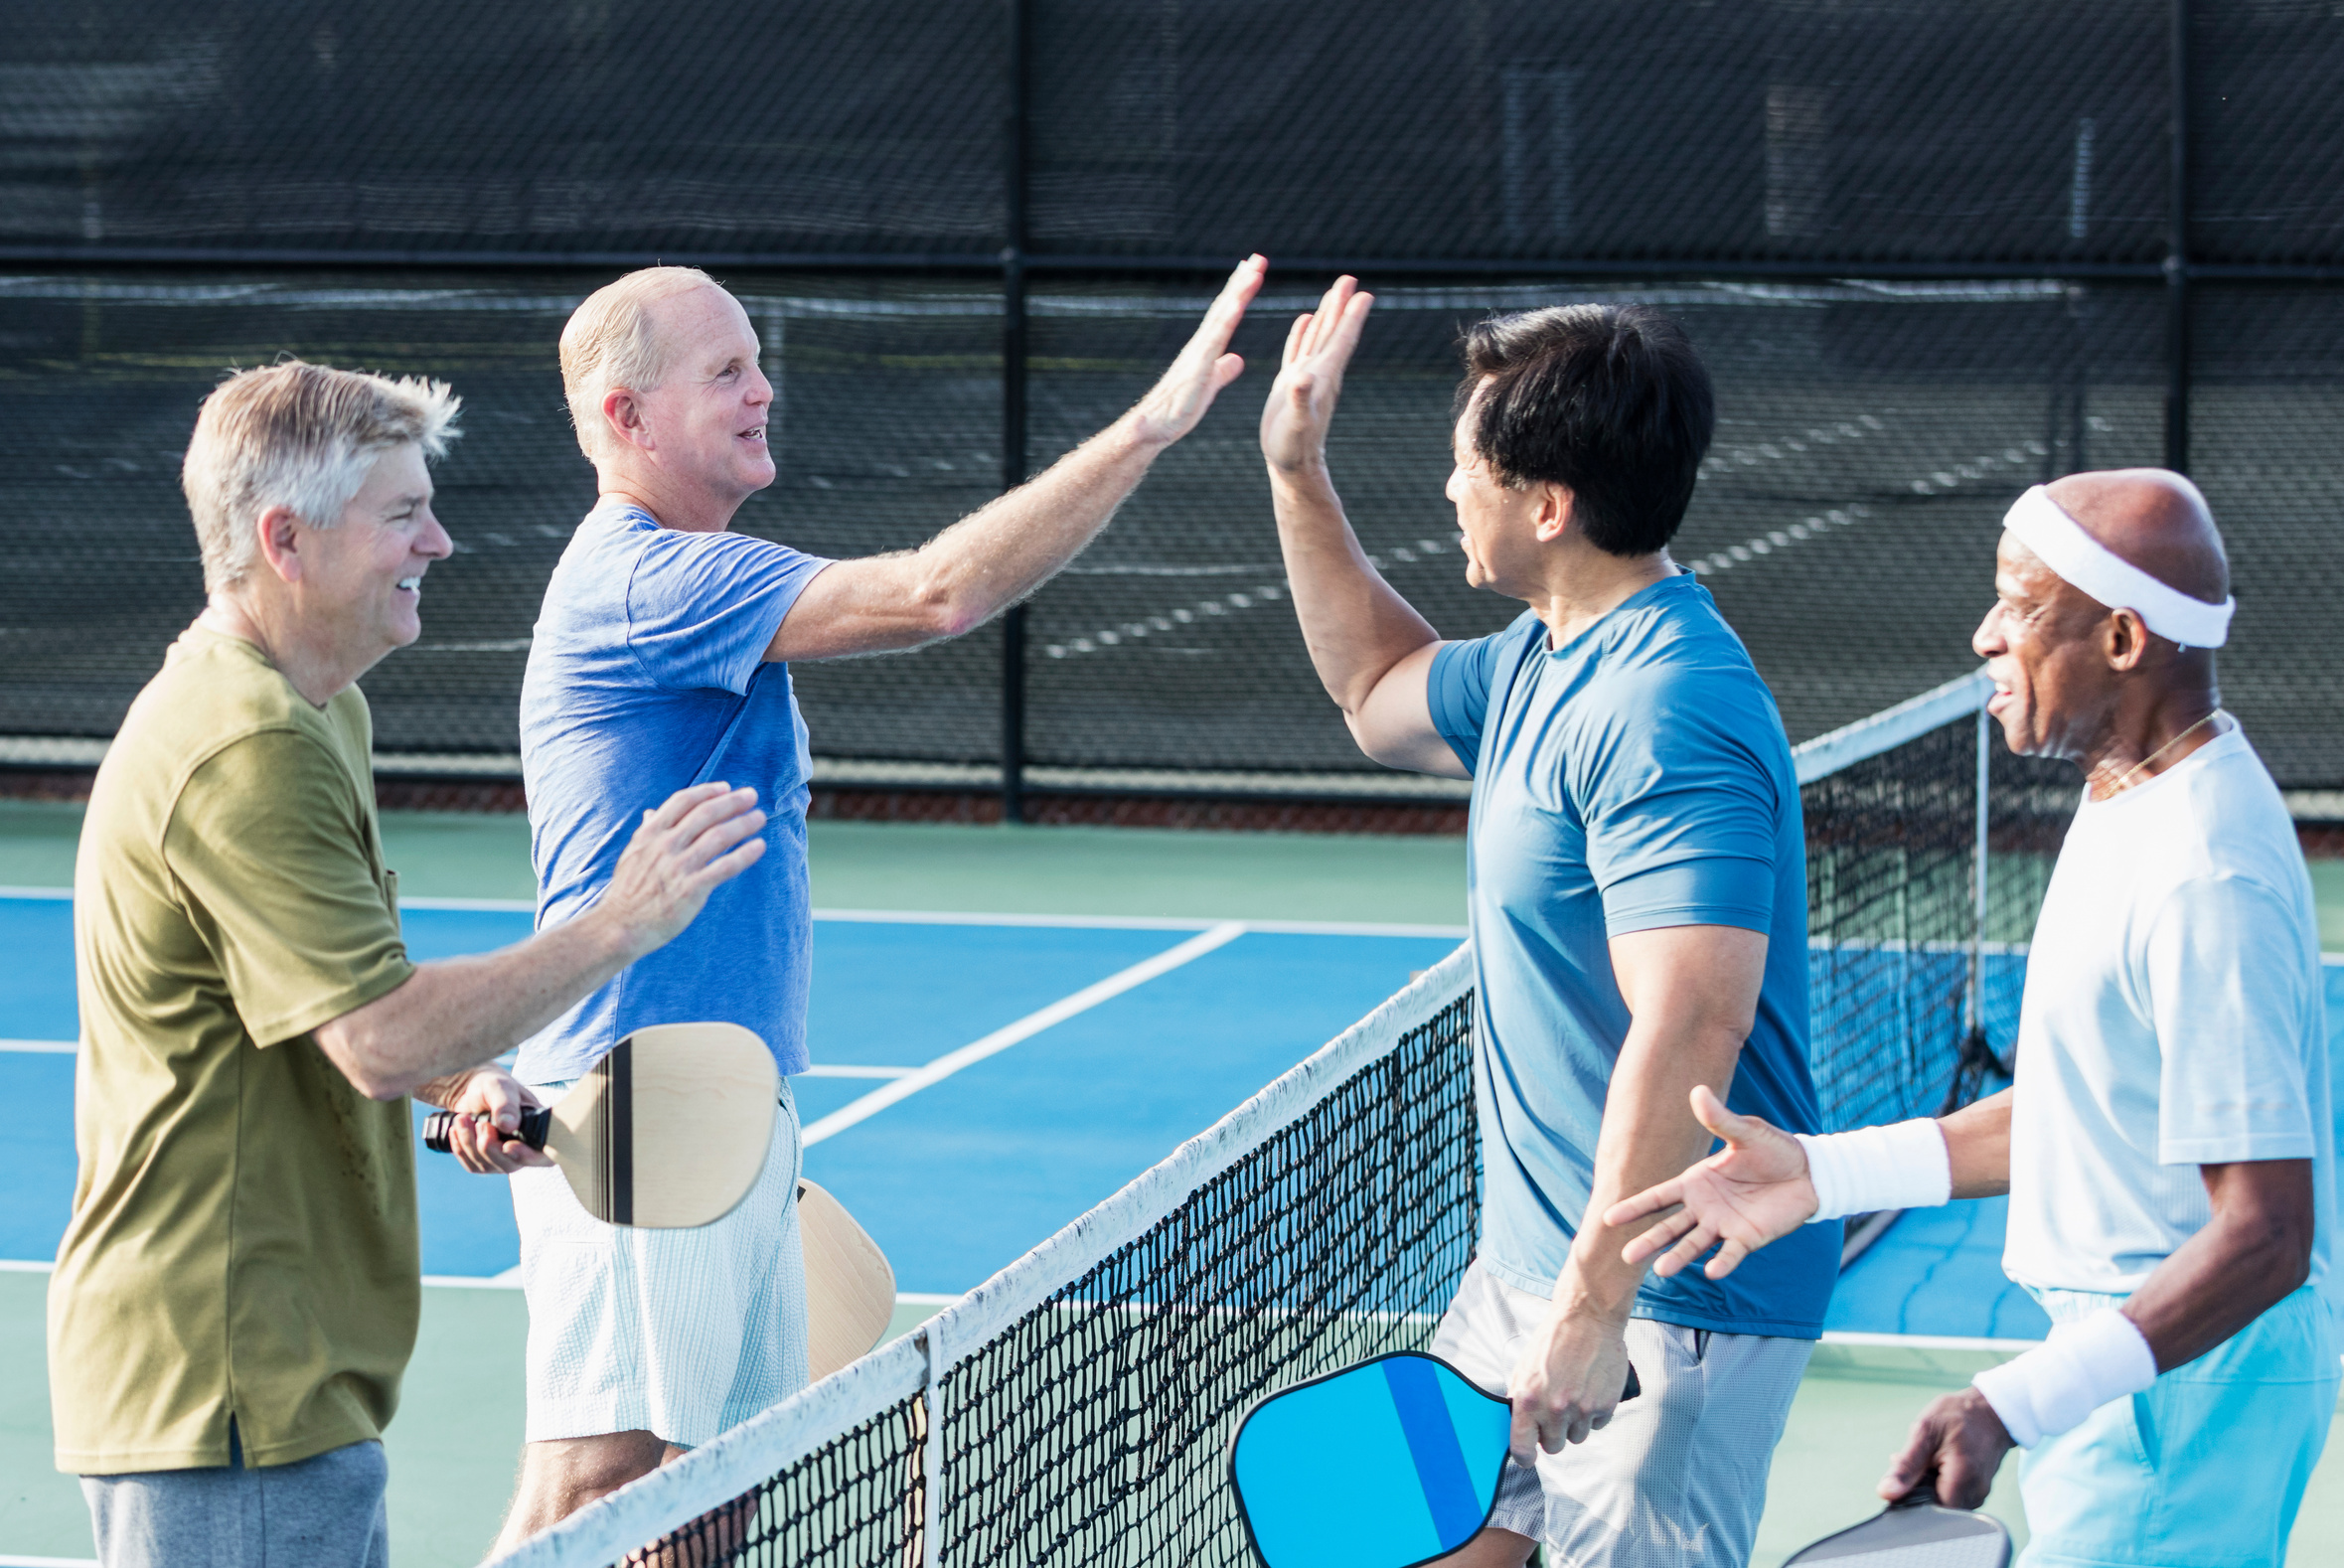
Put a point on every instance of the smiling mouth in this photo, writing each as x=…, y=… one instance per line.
x=754, y=434
x=413, y=584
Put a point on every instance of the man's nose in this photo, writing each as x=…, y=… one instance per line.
x=760, y=389
x=1986, y=641
x=433, y=540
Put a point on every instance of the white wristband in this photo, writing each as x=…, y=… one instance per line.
x=1901, y=1165
x=2082, y=1367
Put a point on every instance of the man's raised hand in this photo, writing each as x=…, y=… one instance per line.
x=1178, y=401
x=698, y=838
x=1311, y=377
x=1754, y=1190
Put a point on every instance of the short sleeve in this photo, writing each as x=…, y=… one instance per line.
x=1682, y=812
x=1457, y=691
x=268, y=849
x=703, y=608
x=2227, y=991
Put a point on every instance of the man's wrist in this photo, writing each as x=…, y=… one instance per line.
x=1583, y=1294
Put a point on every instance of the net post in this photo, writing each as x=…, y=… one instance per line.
x=932, y=1451
x=1979, y=885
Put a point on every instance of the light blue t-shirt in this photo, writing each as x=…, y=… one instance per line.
x=1637, y=777
x=648, y=674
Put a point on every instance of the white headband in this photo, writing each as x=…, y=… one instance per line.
x=2044, y=526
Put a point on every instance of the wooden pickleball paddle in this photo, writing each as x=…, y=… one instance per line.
x=668, y=1131
x=849, y=1287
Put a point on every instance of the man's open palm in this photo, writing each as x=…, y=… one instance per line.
x=1754, y=1190
x=1319, y=350
x=1178, y=400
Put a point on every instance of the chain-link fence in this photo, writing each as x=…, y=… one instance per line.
x=1933, y=252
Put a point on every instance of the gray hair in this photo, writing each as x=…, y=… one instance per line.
x=298, y=435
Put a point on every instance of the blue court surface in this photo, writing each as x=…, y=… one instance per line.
x=960, y=1177
x=953, y=1181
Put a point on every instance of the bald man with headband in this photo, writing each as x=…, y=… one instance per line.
x=2167, y=1145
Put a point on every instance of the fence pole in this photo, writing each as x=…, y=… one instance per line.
x=2177, y=246
x=1013, y=404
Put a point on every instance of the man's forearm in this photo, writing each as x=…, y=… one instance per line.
x=1000, y=554
x=1977, y=1147
x=2253, y=1252
x=1354, y=623
x=454, y=1014
x=1648, y=1135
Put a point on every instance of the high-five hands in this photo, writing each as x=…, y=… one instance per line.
x=1311, y=377
x=1754, y=1190
x=1174, y=404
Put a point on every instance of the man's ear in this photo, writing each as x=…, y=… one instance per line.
x=277, y=534
x=1553, y=520
x=622, y=411
x=2123, y=640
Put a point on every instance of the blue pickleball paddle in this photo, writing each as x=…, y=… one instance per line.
x=1387, y=1464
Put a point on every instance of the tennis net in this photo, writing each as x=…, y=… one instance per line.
x=1075, y=1407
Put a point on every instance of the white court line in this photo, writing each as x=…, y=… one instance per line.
x=1925, y=1342
x=27, y=1266
x=1135, y=923
x=42, y=1047
x=47, y=1562
x=1027, y=1027
x=65, y=894
x=848, y=1071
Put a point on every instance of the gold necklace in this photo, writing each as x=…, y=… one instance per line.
x=2124, y=782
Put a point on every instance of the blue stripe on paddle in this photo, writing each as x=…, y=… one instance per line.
x=1432, y=1443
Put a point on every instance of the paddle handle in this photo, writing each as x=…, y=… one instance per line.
x=532, y=1132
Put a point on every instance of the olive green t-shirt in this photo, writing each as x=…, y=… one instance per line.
x=244, y=1234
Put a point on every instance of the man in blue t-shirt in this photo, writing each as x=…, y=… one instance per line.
x=659, y=659
x=1637, y=886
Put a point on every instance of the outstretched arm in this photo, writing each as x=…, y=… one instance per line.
x=1000, y=554
x=1759, y=1188
x=1372, y=651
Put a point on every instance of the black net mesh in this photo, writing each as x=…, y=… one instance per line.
x=1604, y=129
x=604, y=126
x=1094, y=1429
x=1909, y=981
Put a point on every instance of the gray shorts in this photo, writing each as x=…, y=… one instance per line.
x=323, y=1513
x=1679, y=1477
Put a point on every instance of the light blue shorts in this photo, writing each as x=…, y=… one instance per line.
x=2203, y=1470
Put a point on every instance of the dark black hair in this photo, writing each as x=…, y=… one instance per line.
x=1609, y=400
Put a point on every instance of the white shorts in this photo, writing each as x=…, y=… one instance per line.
x=1679, y=1476
x=679, y=1332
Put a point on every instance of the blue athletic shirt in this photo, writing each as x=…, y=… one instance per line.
x=648, y=674
x=1635, y=779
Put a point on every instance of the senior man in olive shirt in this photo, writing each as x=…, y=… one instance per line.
x=236, y=1294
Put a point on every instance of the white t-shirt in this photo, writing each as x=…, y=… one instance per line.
x=2173, y=1018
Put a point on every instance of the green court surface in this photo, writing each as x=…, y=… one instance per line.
x=454, y=1445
